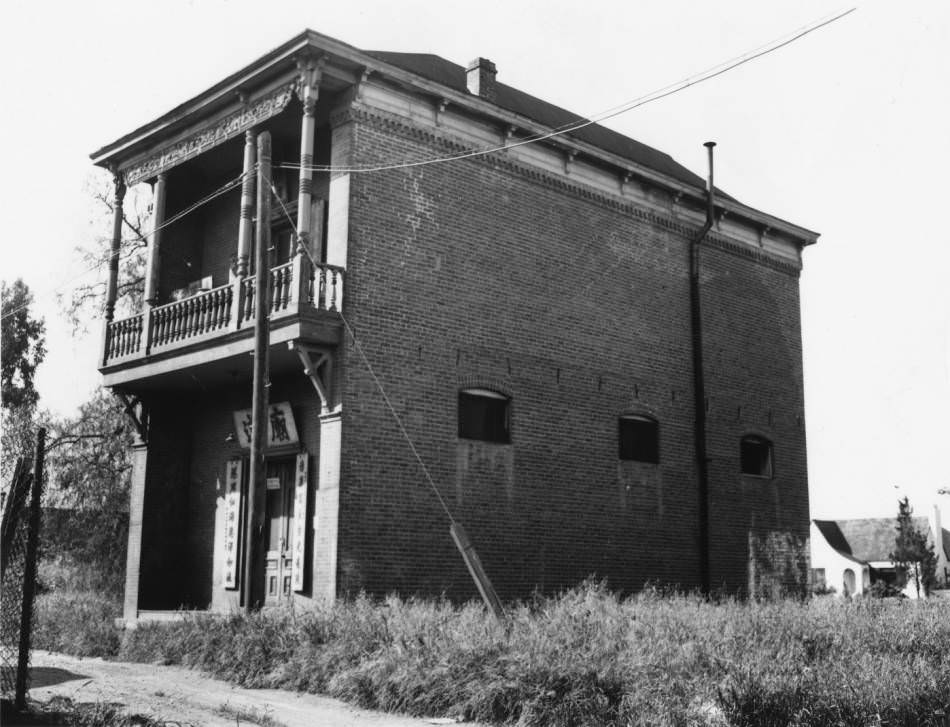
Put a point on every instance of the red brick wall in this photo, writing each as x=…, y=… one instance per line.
x=753, y=361
x=475, y=273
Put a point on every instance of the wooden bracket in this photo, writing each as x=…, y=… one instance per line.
x=318, y=367
x=440, y=107
x=136, y=411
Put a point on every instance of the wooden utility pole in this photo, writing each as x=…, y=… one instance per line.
x=259, y=403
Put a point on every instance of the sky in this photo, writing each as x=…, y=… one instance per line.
x=846, y=132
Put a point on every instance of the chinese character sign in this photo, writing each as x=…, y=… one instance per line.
x=279, y=420
x=232, y=522
x=300, y=522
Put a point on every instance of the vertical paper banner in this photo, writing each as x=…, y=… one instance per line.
x=232, y=522
x=300, y=520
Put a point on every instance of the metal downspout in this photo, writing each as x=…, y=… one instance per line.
x=699, y=381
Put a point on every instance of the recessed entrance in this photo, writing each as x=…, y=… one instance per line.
x=278, y=531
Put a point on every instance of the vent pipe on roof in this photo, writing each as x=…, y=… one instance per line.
x=480, y=78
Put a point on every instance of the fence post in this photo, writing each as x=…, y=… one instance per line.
x=29, y=572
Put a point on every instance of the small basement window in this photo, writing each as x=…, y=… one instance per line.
x=639, y=438
x=484, y=415
x=755, y=454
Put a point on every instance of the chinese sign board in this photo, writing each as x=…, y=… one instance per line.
x=232, y=522
x=281, y=429
x=300, y=519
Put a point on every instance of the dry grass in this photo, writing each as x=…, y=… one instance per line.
x=588, y=658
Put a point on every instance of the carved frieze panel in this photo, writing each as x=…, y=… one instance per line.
x=230, y=126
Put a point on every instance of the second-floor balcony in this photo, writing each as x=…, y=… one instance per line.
x=303, y=302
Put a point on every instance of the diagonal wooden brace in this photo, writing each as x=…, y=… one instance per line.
x=135, y=409
x=318, y=367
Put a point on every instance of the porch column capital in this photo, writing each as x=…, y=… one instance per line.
x=309, y=76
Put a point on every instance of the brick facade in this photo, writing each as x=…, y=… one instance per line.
x=473, y=274
x=547, y=276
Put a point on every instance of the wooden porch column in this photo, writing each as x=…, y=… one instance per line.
x=153, y=265
x=311, y=71
x=246, y=224
x=130, y=609
x=115, y=249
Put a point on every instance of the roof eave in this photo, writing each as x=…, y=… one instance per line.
x=112, y=154
x=106, y=155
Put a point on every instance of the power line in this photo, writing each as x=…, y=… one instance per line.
x=223, y=189
x=656, y=95
x=369, y=366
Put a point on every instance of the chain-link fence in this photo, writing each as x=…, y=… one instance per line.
x=18, y=552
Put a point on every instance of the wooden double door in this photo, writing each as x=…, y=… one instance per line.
x=280, y=510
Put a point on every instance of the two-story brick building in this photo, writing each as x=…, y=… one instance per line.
x=528, y=310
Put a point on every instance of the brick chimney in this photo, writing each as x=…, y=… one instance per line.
x=481, y=78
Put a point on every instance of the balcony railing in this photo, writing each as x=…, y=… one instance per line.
x=221, y=310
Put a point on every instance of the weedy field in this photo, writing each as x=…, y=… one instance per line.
x=582, y=658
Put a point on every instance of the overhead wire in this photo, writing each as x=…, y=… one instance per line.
x=656, y=95
x=139, y=237
x=369, y=366
x=665, y=91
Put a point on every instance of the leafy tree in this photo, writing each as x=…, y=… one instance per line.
x=24, y=346
x=85, y=301
x=23, y=349
x=913, y=555
x=89, y=464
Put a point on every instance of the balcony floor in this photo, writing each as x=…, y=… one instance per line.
x=223, y=357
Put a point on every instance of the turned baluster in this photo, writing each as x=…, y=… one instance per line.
x=333, y=274
x=159, y=320
x=226, y=296
x=203, y=313
x=214, y=304
x=288, y=279
x=178, y=320
x=276, y=283
x=248, y=301
x=226, y=308
x=199, y=306
x=192, y=317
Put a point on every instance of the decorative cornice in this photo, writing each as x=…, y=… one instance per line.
x=340, y=115
x=200, y=141
x=503, y=161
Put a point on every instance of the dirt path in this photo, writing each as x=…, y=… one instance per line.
x=186, y=697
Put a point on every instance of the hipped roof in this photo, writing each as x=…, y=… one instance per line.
x=433, y=75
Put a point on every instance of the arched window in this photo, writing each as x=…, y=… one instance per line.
x=755, y=455
x=484, y=415
x=639, y=438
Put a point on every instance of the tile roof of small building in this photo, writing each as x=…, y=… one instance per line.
x=870, y=539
